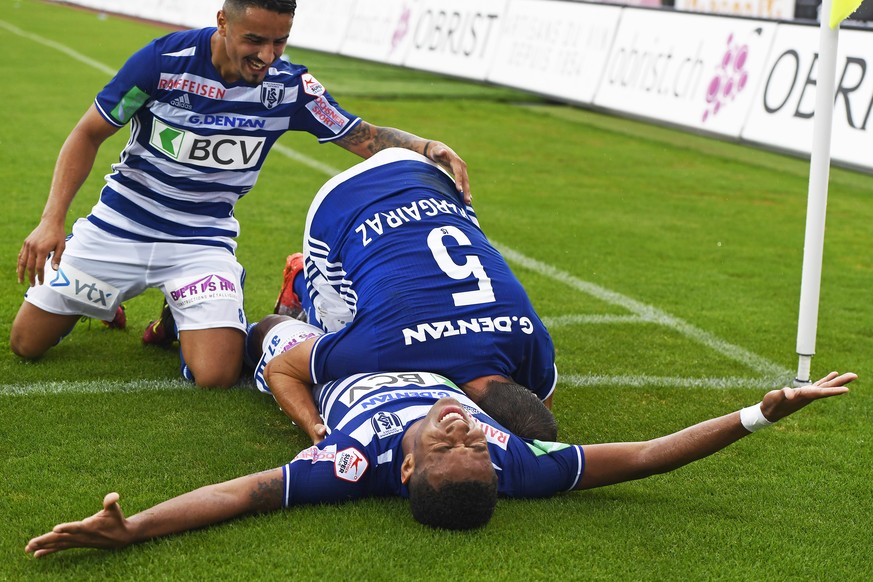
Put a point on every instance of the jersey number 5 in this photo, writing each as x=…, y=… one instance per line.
x=472, y=267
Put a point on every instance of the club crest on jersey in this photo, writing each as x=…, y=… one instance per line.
x=350, y=465
x=272, y=93
x=386, y=424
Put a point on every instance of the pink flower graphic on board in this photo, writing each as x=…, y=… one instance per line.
x=402, y=28
x=730, y=78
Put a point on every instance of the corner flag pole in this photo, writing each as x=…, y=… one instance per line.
x=832, y=13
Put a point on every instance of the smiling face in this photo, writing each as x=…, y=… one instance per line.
x=248, y=41
x=449, y=446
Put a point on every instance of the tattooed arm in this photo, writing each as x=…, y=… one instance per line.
x=109, y=529
x=366, y=139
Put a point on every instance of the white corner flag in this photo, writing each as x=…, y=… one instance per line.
x=832, y=13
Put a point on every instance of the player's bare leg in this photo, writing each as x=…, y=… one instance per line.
x=214, y=356
x=35, y=330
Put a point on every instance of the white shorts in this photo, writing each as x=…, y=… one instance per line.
x=203, y=285
x=280, y=339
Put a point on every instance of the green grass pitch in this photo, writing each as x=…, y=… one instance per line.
x=667, y=266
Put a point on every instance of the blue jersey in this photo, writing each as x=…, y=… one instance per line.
x=368, y=415
x=196, y=142
x=402, y=276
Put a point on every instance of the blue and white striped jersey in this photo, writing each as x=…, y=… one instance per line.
x=400, y=273
x=368, y=415
x=197, y=143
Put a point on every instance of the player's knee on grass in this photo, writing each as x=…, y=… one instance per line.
x=212, y=375
x=212, y=358
x=211, y=379
x=24, y=347
x=30, y=339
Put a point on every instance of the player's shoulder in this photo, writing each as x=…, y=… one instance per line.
x=292, y=74
x=284, y=65
x=381, y=167
x=184, y=42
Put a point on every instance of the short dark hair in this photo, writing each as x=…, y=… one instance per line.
x=519, y=410
x=278, y=6
x=458, y=505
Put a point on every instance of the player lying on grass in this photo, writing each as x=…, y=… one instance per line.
x=416, y=435
x=284, y=372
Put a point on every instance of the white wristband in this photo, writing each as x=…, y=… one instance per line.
x=753, y=419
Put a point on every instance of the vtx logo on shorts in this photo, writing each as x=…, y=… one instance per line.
x=224, y=152
x=81, y=286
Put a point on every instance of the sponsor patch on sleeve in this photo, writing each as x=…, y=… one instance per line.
x=129, y=104
x=540, y=448
x=328, y=115
x=316, y=455
x=311, y=86
x=350, y=464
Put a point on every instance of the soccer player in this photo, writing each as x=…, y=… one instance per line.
x=204, y=107
x=396, y=268
x=416, y=435
x=512, y=405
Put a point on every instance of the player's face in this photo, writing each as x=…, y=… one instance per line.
x=253, y=39
x=451, y=445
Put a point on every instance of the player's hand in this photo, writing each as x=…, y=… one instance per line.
x=105, y=529
x=45, y=239
x=781, y=403
x=448, y=159
x=319, y=433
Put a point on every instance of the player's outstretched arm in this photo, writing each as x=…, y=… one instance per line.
x=109, y=529
x=778, y=404
x=366, y=139
x=610, y=463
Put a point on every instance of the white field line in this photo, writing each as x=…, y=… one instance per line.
x=771, y=374
x=305, y=160
x=648, y=313
x=58, y=47
x=570, y=320
x=93, y=387
x=637, y=381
